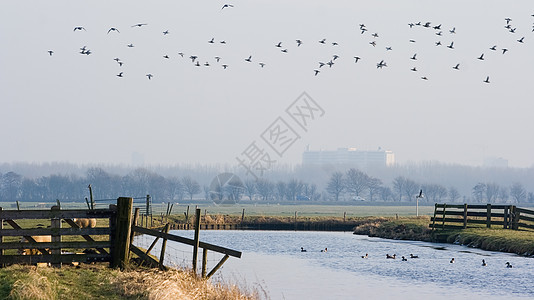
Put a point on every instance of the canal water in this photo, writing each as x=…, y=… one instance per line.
x=272, y=261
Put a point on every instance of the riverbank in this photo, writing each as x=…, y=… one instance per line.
x=101, y=282
x=503, y=240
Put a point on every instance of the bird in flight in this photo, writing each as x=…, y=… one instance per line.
x=504, y=50
x=222, y=42
x=119, y=75
x=481, y=57
x=453, y=30
x=316, y=72
x=299, y=42
x=193, y=57
x=420, y=194
x=217, y=58
x=357, y=58
x=457, y=67
x=130, y=45
x=438, y=43
x=149, y=76
x=414, y=69
x=335, y=44
x=335, y=56
x=113, y=29
x=284, y=50
x=389, y=48
x=424, y=78
x=487, y=80
x=166, y=56
x=494, y=48
x=139, y=24
x=211, y=41
x=373, y=43
x=375, y=35
x=249, y=59
x=50, y=52
x=226, y=5
x=279, y=45
x=381, y=64
x=451, y=46
x=262, y=64
x=165, y=32
x=414, y=57
x=521, y=39
x=225, y=66
x=322, y=41
x=79, y=28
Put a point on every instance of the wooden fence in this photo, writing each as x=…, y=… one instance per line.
x=52, y=252
x=165, y=236
x=447, y=216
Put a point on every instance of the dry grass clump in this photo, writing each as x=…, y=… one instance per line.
x=176, y=284
x=32, y=285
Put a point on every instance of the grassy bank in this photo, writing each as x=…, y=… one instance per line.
x=100, y=282
x=503, y=240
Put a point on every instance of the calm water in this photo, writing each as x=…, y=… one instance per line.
x=272, y=261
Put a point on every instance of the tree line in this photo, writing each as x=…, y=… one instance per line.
x=352, y=184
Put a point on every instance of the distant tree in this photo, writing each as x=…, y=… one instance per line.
x=518, y=192
x=336, y=185
x=280, y=190
x=191, y=186
x=386, y=194
x=479, y=191
x=265, y=188
x=374, y=185
x=235, y=189
x=492, y=192
x=411, y=189
x=250, y=188
x=312, y=192
x=174, y=189
x=530, y=197
x=293, y=189
x=207, y=193
x=399, y=184
x=434, y=192
x=11, y=184
x=454, y=195
x=356, y=182
x=503, y=194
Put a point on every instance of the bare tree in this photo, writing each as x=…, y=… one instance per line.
x=280, y=190
x=265, y=188
x=411, y=189
x=356, y=182
x=191, y=186
x=518, y=192
x=479, y=191
x=336, y=185
x=374, y=185
x=386, y=194
x=250, y=188
x=454, y=195
x=492, y=191
x=399, y=184
x=293, y=189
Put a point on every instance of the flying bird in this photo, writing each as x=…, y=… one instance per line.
x=322, y=41
x=113, y=29
x=457, y=67
x=357, y=58
x=262, y=64
x=481, y=57
x=451, y=46
x=279, y=45
x=316, y=72
x=487, y=80
x=373, y=43
x=494, y=48
x=299, y=42
x=225, y=66
x=226, y=5
x=284, y=50
x=249, y=59
x=414, y=69
x=335, y=44
x=149, y=76
x=521, y=39
x=414, y=57
x=139, y=24
x=222, y=42
x=79, y=28
x=453, y=30
x=424, y=78
x=438, y=43
x=130, y=45
x=217, y=58
x=50, y=52
x=166, y=56
x=504, y=50
x=165, y=32
x=119, y=75
x=211, y=41
x=381, y=64
x=420, y=194
x=389, y=48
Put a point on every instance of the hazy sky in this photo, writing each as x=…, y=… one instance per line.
x=73, y=107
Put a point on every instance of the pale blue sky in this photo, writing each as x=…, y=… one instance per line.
x=72, y=107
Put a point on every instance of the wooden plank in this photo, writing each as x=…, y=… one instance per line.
x=56, y=245
x=451, y=213
x=525, y=211
x=64, y=259
x=163, y=246
x=50, y=231
x=219, y=265
x=449, y=205
x=61, y=214
x=530, y=226
x=204, y=261
x=447, y=220
x=183, y=240
x=146, y=258
x=56, y=239
x=525, y=218
x=28, y=238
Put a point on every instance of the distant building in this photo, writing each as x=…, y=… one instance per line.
x=349, y=156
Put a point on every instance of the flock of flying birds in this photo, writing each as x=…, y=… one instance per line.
x=330, y=62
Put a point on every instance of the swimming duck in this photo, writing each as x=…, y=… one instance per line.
x=302, y=249
x=452, y=260
x=365, y=256
x=391, y=256
x=508, y=265
x=325, y=250
x=404, y=259
x=484, y=263
x=413, y=256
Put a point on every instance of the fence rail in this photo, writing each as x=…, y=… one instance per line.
x=449, y=216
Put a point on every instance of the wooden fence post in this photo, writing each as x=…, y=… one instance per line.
x=243, y=216
x=163, y=246
x=134, y=223
x=122, y=235
x=517, y=216
x=488, y=216
x=443, y=216
x=505, y=218
x=195, y=246
x=204, y=261
x=56, y=238
x=465, y=215
x=91, y=197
